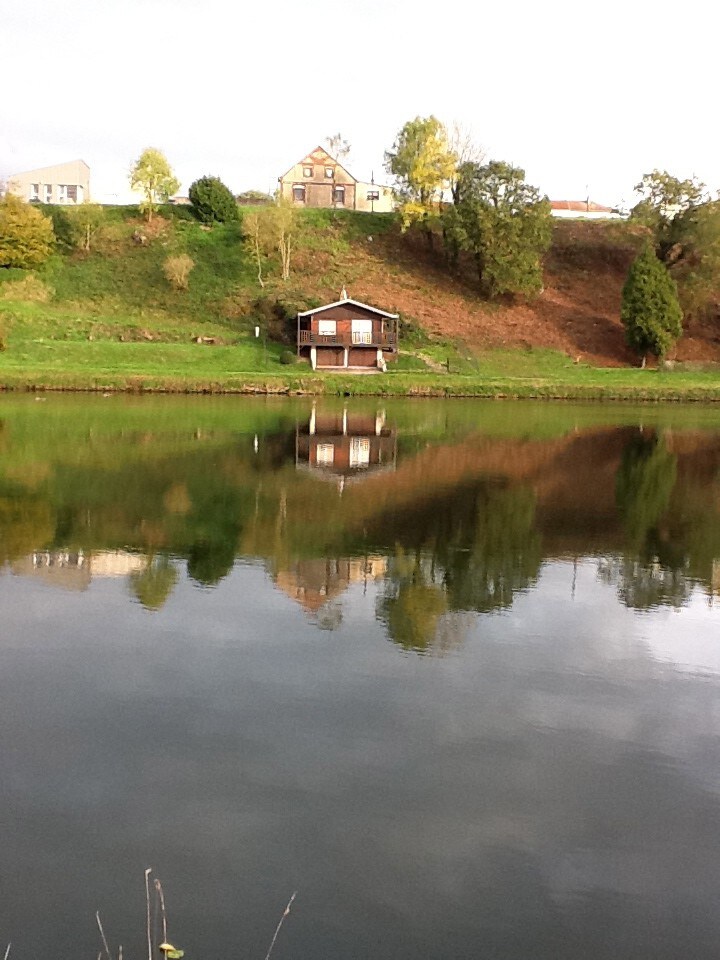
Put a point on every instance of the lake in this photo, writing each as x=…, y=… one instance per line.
x=449, y=670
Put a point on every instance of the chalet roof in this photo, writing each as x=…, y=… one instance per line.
x=353, y=303
x=319, y=155
x=582, y=206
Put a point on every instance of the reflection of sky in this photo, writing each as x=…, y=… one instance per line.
x=548, y=788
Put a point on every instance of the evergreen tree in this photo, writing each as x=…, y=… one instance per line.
x=213, y=201
x=650, y=308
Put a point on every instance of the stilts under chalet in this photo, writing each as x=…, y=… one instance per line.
x=347, y=335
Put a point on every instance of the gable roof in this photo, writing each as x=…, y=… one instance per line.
x=319, y=155
x=354, y=303
x=52, y=166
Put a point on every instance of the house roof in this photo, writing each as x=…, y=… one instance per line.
x=582, y=206
x=52, y=166
x=353, y=303
x=319, y=155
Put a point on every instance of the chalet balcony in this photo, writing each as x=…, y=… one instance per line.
x=386, y=340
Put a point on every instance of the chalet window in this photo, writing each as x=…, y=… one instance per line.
x=325, y=455
x=327, y=328
x=359, y=451
x=339, y=195
x=362, y=331
x=307, y=171
x=299, y=193
x=373, y=195
x=329, y=172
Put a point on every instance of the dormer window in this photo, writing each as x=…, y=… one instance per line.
x=307, y=171
x=329, y=173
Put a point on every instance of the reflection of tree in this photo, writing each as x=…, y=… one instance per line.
x=153, y=585
x=497, y=557
x=655, y=571
x=644, y=485
x=26, y=524
x=473, y=550
x=412, y=607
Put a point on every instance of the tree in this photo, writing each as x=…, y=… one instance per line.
x=464, y=149
x=153, y=177
x=685, y=227
x=650, y=308
x=422, y=163
x=213, y=201
x=338, y=147
x=257, y=239
x=26, y=235
x=77, y=226
x=503, y=223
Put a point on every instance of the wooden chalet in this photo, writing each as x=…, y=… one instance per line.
x=347, y=334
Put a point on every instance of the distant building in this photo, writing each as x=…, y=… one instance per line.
x=585, y=209
x=319, y=180
x=64, y=183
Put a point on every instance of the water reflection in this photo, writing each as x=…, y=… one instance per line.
x=441, y=524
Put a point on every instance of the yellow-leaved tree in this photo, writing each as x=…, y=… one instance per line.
x=152, y=176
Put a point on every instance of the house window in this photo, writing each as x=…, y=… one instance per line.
x=47, y=190
x=362, y=331
x=327, y=328
x=359, y=451
x=325, y=455
x=329, y=173
x=72, y=193
x=373, y=195
x=307, y=171
x=339, y=195
x=34, y=191
x=62, y=193
x=299, y=193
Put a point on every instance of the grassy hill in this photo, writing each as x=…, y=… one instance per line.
x=112, y=309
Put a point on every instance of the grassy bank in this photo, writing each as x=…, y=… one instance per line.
x=109, y=320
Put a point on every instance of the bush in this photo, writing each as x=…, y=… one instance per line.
x=26, y=236
x=275, y=318
x=212, y=201
x=177, y=270
x=650, y=308
x=254, y=198
x=287, y=357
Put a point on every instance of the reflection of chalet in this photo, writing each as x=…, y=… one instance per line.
x=315, y=583
x=345, y=444
x=347, y=334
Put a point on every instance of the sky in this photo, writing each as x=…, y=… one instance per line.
x=585, y=97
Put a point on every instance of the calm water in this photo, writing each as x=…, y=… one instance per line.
x=449, y=670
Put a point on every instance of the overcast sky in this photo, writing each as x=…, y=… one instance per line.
x=585, y=97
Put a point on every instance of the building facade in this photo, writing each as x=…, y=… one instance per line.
x=67, y=183
x=318, y=180
x=347, y=333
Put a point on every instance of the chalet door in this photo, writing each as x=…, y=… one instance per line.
x=330, y=356
x=362, y=357
x=362, y=331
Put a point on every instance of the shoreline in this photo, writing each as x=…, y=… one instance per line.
x=656, y=387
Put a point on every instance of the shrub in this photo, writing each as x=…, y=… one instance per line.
x=288, y=357
x=213, y=201
x=29, y=289
x=254, y=197
x=177, y=270
x=26, y=236
x=650, y=309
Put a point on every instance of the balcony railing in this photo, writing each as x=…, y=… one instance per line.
x=308, y=338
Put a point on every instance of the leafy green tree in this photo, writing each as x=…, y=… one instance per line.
x=422, y=163
x=77, y=226
x=152, y=176
x=650, y=308
x=503, y=223
x=212, y=201
x=662, y=198
x=26, y=235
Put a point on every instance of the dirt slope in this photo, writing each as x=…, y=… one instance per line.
x=577, y=313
